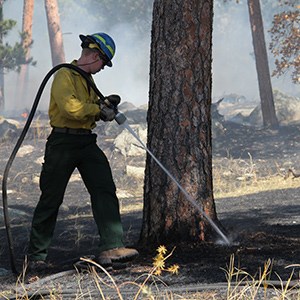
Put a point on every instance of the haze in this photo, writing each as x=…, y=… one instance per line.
x=233, y=61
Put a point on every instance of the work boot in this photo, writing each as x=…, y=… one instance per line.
x=37, y=266
x=106, y=258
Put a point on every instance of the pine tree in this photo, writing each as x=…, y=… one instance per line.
x=11, y=56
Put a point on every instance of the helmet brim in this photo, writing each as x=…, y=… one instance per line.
x=83, y=39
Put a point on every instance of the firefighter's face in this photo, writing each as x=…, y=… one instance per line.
x=98, y=63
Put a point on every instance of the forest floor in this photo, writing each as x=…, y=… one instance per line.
x=257, y=203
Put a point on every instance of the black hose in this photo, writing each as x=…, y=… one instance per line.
x=19, y=142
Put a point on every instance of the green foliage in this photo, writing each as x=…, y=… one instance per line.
x=6, y=26
x=12, y=57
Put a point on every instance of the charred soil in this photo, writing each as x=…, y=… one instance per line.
x=262, y=225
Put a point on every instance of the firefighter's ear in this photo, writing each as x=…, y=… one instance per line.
x=95, y=56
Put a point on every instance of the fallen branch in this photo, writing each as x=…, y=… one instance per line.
x=295, y=175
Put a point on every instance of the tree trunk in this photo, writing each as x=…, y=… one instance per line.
x=55, y=34
x=179, y=123
x=28, y=9
x=262, y=66
x=2, y=100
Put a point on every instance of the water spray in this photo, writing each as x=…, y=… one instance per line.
x=120, y=118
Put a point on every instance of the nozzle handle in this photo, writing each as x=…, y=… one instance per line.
x=120, y=118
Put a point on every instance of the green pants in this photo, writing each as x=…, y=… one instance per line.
x=64, y=153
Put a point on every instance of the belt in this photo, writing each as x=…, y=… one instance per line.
x=72, y=130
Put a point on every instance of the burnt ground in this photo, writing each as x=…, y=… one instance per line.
x=262, y=225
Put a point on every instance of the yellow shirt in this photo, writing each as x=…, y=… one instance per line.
x=72, y=102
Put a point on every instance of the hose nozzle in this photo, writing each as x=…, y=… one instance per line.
x=120, y=118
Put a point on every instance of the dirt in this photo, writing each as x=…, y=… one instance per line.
x=262, y=226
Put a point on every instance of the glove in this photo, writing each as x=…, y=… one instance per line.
x=109, y=107
x=106, y=113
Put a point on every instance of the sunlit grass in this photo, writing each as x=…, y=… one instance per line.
x=131, y=205
x=252, y=187
x=237, y=177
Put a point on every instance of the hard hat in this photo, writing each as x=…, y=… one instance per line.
x=101, y=41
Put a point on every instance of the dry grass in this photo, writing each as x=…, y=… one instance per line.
x=259, y=185
x=130, y=205
x=236, y=177
x=243, y=286
x=240, y=285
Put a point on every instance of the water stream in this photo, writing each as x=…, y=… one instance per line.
x=188, y=197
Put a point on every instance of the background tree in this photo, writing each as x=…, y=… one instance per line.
x=262, y=65
x=55, y=34
x=179, y=123
x=28, y=8
x=285, y=40
x=11, y=57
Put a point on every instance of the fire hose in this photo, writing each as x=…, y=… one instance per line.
x=120, y=118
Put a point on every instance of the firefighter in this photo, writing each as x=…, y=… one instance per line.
x=73, y=111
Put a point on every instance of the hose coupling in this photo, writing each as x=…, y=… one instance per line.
x=120, y=118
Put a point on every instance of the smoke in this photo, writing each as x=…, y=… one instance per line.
x=234, y=69
x=233, y=64
x=233, y=61
x=128, y=77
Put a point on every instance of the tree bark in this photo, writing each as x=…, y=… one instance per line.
x=28, y=8
x=179, y=123
x=55, y=34
x=262, y=66
x=2, y=100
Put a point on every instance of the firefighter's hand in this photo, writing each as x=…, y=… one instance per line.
x=114, y=100
x=106, y=113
